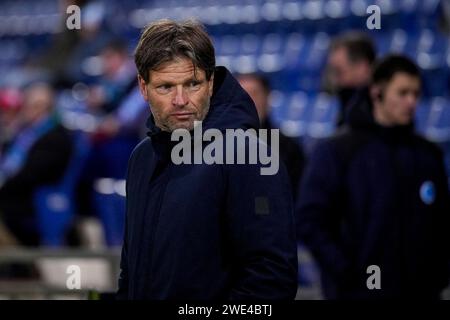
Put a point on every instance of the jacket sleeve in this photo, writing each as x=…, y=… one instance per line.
x=261, y=232
x=316, y=215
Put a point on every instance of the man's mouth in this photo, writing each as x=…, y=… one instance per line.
x=182, y=115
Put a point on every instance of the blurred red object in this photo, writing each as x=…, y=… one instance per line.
x=10, y=99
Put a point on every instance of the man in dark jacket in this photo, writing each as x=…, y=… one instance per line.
x=200, y=231
x=291, y=153
x=374, y=207
x=348, y=71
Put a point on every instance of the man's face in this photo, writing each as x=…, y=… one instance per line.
x=38, y=102
x=177, y=96
x=259, y=96
x=112, y=61
x=344, y=73
x=398, y=103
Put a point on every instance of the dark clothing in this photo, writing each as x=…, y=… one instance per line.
x=348, y=98
x=292, y=156
x=45, y=164
x=376, y=196
x=207, y=231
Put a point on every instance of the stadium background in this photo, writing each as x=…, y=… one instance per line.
x=81, y=217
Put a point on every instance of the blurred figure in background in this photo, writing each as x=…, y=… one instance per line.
x=376, y=194
x=117, y=79
x=68, y=58
x=111, y=140
x=129, y=116
x=349, y=68
x=10, y=103
x=110, y=98
x=258, y=87
x=36, y=155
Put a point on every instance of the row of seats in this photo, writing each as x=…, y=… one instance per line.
x=236, y=12
x=30, y=17
x=23, y=25
x=345, y=7
x=431, y=50
x=300, y=57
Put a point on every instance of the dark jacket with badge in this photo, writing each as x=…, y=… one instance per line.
x=199, y=231
x=376, y=196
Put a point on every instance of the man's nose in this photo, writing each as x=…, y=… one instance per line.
x=180, y=98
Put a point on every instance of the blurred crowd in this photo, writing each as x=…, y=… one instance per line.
x=73, y=117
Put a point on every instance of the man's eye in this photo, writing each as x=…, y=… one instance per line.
x=164, y=88
x=194, y=84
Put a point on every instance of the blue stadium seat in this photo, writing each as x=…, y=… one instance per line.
x=296, y=115
x=109, y=202
x=277, y=102
x=323, y=118
x=421, y=117
x=293, y=50
x=437, y=127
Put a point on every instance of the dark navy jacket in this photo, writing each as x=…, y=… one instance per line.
x=207, y=231
x=376, y=196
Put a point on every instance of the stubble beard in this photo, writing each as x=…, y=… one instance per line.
x=170, y=124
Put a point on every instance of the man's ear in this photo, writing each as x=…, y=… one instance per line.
x=143, y=87
x=375, y=93
x=211, y=85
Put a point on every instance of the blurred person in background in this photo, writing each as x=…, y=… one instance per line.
x=129, y=116
x=195, y=231
x=348, y=71
x=36, y=155
x=10, y=103
x=112, y=99
x=116, y=81
x=106, y=95
x=376, y=194
x=258, y=87
x=117, y=94
x=68, y=57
